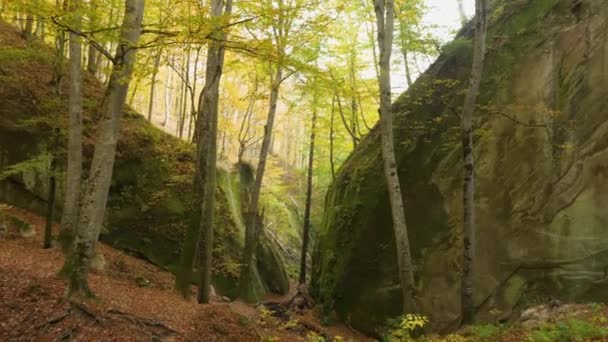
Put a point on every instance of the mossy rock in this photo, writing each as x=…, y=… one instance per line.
x=541, y=147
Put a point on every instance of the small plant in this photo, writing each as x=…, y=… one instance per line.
x=314, y=337
x=265, y=316
x=405, y=326
x=292, y=323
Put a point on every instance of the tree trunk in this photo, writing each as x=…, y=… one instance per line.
x=96, y=189
x=306, y=231
x=153, y=85
x=406, y=62
x=353, y=134
x=210, y=108
x=29, y=26
x=385, y=20
x=252, y=210
x=92, y=63
x=331, y=139
x=71, y=201
x=168, y=98
x=468, y=269
x=50, y=210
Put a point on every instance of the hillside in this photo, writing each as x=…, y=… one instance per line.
x=151, y=190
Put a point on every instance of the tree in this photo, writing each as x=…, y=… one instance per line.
x=385, y=12
x=311, y=157
x=71, y=204
x=468, y=269
x=210, y=108
x=95, y=192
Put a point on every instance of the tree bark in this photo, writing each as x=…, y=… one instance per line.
x=153, y=85
x=96, y=189
x=306, y=231
x=251, y=215
x=331, y=139
x=468, y=269
x=92, y=62
x=406, y=62
x=385, y=20
x=71, y=204
x=50, y=210
x=29, y=26
x=210, y=108
x=168, y=97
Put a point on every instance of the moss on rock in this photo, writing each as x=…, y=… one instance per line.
x=540, y=144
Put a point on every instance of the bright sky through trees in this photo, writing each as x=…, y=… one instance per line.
x=443, y=16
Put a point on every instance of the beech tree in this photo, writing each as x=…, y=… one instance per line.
x=385, y=13
x=468, y=269
x=71, y=202
x=97, y=185
x=208, y=147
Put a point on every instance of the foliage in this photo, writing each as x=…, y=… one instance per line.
x=405, y=326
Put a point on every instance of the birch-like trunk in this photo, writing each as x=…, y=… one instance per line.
x=468, y=268
x=96, y=188
x=385, y=14
x=252, y=210
x=71, y=202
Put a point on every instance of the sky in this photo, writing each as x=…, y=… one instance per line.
x=444, y=16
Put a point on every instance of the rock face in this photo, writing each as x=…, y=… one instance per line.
x=542, y=177
x=151, y=188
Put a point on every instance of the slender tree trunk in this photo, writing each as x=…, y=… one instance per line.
x=306, y=231
x=40, y=29
x=168, y=104
x=96, y=189
x=193, y=108
x=385, y=19
x=50, y=210
x=353, y=134
x=331, y=139
x=406, y=62
x=71, y=201
x=92, y=55
x=210, y=108
x=251, y=230
x=153, y=85
x=468, y=275
x=29, y=26
x=92, y=62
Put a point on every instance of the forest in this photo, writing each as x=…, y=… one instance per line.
x=304, y=170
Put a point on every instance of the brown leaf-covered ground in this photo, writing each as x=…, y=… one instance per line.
x=33, y=307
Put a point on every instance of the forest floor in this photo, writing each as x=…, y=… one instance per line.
x=134, y=301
